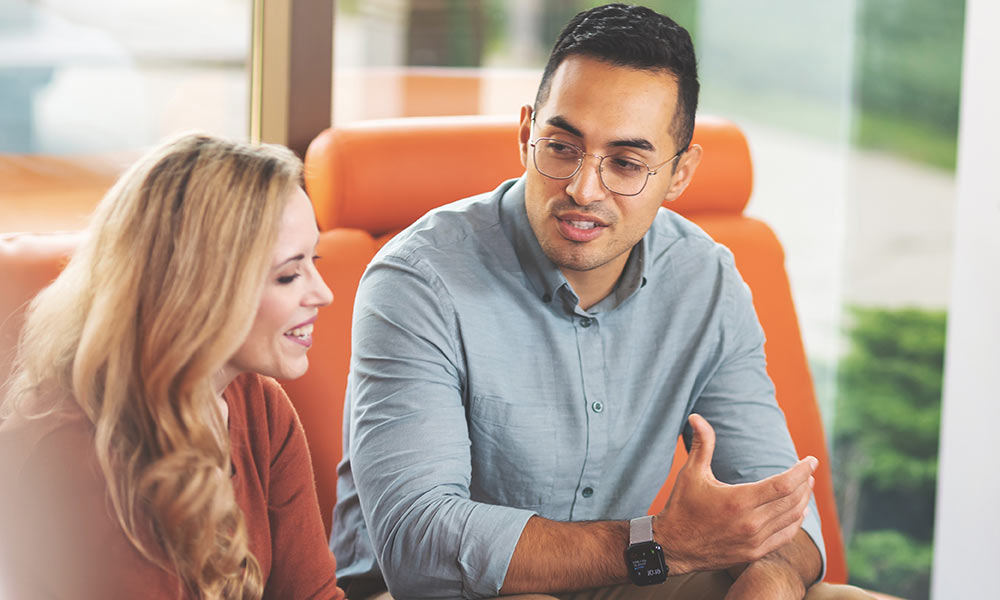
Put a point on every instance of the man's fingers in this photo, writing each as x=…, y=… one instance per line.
x=779, y=528
x=702, y=444
x=784, y=484
x=781, y=537
x=789, y=510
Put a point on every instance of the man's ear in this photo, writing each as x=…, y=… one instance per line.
x=686, y=166
x=524, y=133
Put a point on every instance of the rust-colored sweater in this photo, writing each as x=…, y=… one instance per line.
x=59, y=537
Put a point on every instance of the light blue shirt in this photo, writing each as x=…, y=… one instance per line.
x=480, y=393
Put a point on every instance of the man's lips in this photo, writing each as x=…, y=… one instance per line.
x=580, y=228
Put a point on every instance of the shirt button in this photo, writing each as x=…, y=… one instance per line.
x=586, y=321
x=587, y=492
x=597, y=406
x=546, y=298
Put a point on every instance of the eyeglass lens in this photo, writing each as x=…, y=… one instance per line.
x=620, y=174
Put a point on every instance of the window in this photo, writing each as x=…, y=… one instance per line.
x=85, y=86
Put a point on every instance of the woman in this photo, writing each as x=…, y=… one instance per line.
x=146, y=453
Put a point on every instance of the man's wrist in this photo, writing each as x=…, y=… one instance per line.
x=643, y=556
x=675, y=560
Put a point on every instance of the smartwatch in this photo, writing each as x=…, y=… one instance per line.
x=644, y=557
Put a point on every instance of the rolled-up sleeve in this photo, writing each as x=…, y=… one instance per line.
x=752, y=438
x=409, y=442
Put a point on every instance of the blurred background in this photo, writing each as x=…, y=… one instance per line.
x=851, y=109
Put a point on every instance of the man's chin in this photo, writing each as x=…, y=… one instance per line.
x=577, y=261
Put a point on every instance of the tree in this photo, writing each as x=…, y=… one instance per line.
x=886, y=443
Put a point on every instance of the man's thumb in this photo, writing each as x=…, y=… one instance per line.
x=702, y=443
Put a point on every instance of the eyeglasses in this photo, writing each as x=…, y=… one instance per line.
x=622, y=175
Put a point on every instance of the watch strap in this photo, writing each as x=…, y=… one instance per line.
x=640, y=530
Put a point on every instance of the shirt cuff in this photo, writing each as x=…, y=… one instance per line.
x=812, y=526
x=488, y=540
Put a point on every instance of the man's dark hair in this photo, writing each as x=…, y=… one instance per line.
x=635, y=37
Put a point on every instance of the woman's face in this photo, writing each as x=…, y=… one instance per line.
x=293, y=293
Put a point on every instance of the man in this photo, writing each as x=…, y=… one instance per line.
x=524, y=360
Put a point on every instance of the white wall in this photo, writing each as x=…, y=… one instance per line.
x=967, y=528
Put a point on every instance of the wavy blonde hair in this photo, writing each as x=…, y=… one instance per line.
x=162, y=292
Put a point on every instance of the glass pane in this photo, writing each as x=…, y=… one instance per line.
x=84, y=86
x=851, y=110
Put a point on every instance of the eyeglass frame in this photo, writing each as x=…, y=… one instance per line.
x=600, y=163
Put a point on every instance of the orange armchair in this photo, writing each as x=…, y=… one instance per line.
x=28, y=262
x=381, y=175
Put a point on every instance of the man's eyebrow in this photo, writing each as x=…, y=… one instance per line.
x=562, y=123
x=637, y=143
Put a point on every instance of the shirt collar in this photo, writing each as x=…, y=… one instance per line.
x=544, y=277
x=632, y=278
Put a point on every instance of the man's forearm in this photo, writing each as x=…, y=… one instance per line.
x=552, y=556
x=785, y=573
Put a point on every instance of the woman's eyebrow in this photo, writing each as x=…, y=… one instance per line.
x=289, y=260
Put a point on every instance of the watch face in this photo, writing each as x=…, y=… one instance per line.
x=645, y=563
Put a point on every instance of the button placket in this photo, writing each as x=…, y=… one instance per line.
x=590, y=346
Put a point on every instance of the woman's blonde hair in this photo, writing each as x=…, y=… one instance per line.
x=160, y=295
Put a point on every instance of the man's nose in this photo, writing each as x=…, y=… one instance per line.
x=586, y=187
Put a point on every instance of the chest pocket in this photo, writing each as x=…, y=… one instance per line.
x=513, y=452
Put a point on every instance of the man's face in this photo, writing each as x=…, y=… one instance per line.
x=584, y=228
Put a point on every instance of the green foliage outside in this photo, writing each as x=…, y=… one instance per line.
x=886, y=446
x=891, y=562
x=556, y=13
x=908, y=77
x=784, y=63
x=906, y=71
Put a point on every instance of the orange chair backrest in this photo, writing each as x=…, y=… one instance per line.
x=377, y=175
x=318, y=395
x=28, y=263
x=382, y=175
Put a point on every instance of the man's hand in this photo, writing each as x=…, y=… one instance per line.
x=709, y=525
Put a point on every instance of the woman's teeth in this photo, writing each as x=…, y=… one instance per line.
x=301, y=332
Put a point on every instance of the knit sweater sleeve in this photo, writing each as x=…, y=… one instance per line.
x=303, y=565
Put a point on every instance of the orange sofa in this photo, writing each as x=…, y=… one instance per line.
x=370, y=179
